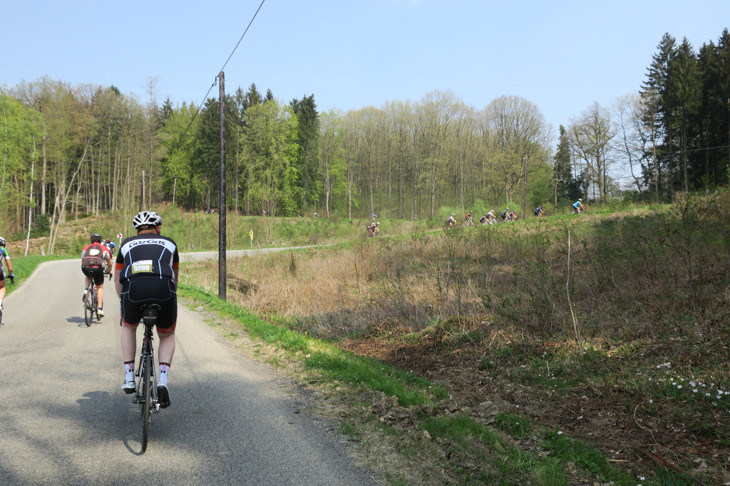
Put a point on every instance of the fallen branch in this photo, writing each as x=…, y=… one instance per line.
x=659, y=460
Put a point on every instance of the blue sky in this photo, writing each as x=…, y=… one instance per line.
x=560, y=55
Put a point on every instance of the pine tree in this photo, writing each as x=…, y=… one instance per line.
x=567, y=188
x=308, y=156
x=683, y=95
x=657, y=118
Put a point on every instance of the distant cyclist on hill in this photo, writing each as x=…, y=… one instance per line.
x=95, y=262
x=578, y=206
x=451, y=222
x=4, y=256
x=147, y=273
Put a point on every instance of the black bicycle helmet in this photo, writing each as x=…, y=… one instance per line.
x=145, y=219
x=96, y=237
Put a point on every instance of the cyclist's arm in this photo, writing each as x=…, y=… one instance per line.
x=8, y=264
x=117, y=283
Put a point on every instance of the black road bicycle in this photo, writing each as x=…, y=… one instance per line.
x=146, y=392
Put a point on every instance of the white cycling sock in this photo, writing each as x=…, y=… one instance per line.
x=129, y=371
x=164, y=372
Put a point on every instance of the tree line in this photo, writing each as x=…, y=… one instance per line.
x=85, y=149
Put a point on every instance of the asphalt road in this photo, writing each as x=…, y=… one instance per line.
x=213, y=255
x=64, y=419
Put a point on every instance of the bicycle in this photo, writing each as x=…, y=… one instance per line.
x=146, y=391
x=91, y=304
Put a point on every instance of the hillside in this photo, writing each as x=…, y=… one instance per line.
x=484, y=312
x=613, y=371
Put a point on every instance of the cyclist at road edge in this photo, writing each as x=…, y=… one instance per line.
x=6, y=257
x=147, y=273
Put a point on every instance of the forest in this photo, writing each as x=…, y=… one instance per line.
x=86, y=149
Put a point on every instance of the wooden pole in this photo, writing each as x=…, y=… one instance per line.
x=222, y=192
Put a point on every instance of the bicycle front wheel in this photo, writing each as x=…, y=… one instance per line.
x=147, y=383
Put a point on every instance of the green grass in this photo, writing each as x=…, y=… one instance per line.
x=586, y=457
x=327, y=359
x=513, y=424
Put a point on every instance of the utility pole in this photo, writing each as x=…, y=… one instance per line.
x=222, y=192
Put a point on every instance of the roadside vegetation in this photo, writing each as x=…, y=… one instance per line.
x=197, y=231
x=487, y=354
x=616, y=371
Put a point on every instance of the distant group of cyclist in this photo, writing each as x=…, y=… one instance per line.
x=506, y=216
x=373, y=229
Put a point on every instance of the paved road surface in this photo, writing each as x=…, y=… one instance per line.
x=213, y=255
x=64, y=419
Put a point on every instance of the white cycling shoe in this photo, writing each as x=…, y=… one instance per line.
x=128, y=387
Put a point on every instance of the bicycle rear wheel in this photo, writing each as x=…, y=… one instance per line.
x=147, y=382
x=88, y=315
x=96, y=304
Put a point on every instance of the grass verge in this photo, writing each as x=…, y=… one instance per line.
x=332, y=362
x=510, y=453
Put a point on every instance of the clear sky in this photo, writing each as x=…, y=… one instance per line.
x=560, y=55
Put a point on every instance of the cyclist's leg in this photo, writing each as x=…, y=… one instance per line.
x=166, y=323
x=2, y=286
x=130, y=321
x=100, y=292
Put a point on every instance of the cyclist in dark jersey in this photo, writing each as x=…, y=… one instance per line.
x=147, y=273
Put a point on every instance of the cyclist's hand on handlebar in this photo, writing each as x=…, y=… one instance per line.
x=12, y=278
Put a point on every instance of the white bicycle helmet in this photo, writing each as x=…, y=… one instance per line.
x=2, y=241
x=146, y=218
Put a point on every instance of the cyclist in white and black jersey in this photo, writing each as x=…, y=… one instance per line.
x=147, y=273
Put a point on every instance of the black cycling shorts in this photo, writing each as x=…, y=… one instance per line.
x=139, y=291
x=97, y=274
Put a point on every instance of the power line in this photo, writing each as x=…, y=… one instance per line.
x=242, y=36
x=215, y=80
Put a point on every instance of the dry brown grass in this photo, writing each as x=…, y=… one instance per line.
x=628, y=278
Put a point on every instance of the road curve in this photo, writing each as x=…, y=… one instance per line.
x=213, y=255
x=65, y=420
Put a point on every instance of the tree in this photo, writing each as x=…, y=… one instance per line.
x=307, y=158
x=683, y=98
x=629, y=143
x=566, y=186
x=657, y=116
x=590, y=136
x=270, y=133
x=520, y=133
x=332, y=160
